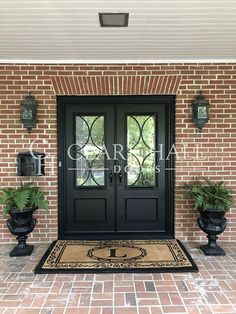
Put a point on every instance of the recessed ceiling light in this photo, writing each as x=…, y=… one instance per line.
x=113, y=19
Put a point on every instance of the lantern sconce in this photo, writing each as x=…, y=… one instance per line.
x=200, y=111
x=29, y=112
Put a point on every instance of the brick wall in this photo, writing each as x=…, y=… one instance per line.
x=216, y=143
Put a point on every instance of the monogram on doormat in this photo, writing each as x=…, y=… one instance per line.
x=77, y=256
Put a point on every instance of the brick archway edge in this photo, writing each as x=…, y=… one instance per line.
x=116, y=85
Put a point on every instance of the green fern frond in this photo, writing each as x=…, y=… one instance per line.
x=25, y=196
x=37, y=199
x=22, y=199
x=208, y=194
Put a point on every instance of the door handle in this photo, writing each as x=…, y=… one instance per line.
x=120, y=176
x=111, y=177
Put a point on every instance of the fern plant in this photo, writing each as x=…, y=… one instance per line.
x=24, y=197
x=207, y=194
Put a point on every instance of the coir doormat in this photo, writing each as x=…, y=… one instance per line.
x=84, y=256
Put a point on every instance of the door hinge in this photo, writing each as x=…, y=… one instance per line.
x=59, y=164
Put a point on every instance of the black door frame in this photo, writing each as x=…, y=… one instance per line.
x=169, y=102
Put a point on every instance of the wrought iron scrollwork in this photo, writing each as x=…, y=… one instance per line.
x=141, y=146
x=89, y=150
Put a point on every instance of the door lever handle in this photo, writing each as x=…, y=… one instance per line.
x=111, y=176
x=120, y=177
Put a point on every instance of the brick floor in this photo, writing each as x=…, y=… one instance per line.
x=210, y=291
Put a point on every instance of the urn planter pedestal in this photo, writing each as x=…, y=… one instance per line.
x=213, y=223
x=20, y=224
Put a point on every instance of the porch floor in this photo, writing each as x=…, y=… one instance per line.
x=211, y=290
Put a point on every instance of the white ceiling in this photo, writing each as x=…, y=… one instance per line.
x=159, y=30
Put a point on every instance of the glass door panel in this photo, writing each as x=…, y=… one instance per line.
x=90, y=161
x=141, y=146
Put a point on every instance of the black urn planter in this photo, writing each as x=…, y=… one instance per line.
x=213, y=223
x=20, y=224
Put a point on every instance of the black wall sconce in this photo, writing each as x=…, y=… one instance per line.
x=29, y=112
x=200, y=108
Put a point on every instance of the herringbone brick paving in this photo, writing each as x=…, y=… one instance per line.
x=210, y=291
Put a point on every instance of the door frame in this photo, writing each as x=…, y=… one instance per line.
x=169, y=102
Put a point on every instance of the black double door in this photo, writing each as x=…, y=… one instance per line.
x=113, y=176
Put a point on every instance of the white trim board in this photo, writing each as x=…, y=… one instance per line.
x=163, y=61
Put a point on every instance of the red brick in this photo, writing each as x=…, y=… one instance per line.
x=218, y=82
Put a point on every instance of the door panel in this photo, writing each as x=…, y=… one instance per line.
x=89, y=198
x=141, y=201
x=90, y=140
x=112, y=180
x=140, y=145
